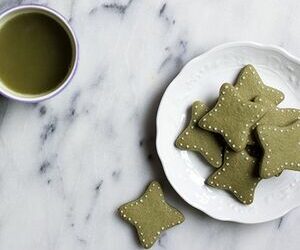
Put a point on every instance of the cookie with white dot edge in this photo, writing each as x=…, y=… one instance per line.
x=281, y=147
x=274, y=116
x=150, y=215
x=256, y=151
x=277, y=117
x=249, y=85
x=267, y=105
x=232, y=117
x=238, y=175
x=199, y=140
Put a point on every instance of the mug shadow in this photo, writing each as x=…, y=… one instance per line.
x=3, y=108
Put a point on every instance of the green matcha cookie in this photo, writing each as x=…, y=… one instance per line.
x=238, y=175
x=268, y=105
x=249, y=85
x=281, y=146
x=197, y=139
x=275, y=116
x=280, y=117
x=256, y=151
x=232, y=117
x=150, y=215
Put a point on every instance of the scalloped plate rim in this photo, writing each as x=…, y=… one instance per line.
x=159, y=137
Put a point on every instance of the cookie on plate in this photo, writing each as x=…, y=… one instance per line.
x=197, y=139
x=280, y=117
x=274, y=116
x=250, y=85
x=232, y=117
x=238, y=175
x=281, y=147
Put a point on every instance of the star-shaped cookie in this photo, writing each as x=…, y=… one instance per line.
x=202, y=141
x=267, y=105
x=274, y=116
x=249, y=85
x=280, y=117
x=238, y=175
x=232, y=117
x=150, y=215
x=281, y=147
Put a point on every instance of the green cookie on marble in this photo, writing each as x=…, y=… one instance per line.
x=238, y=175
x=232, y=117
x=281, y=147
x=199, y=140
x=249, y=85
x=150, y=215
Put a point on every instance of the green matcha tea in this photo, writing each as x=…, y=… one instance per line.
x=35, y=54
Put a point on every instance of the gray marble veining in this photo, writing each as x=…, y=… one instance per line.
x=68, y=163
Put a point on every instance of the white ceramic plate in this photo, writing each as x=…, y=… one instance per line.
x=201, y=79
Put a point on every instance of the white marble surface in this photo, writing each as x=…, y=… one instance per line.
x=68, y=163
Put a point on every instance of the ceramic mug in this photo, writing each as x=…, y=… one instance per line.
x=62, y=22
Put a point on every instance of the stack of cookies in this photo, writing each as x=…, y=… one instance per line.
x=245, y=136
